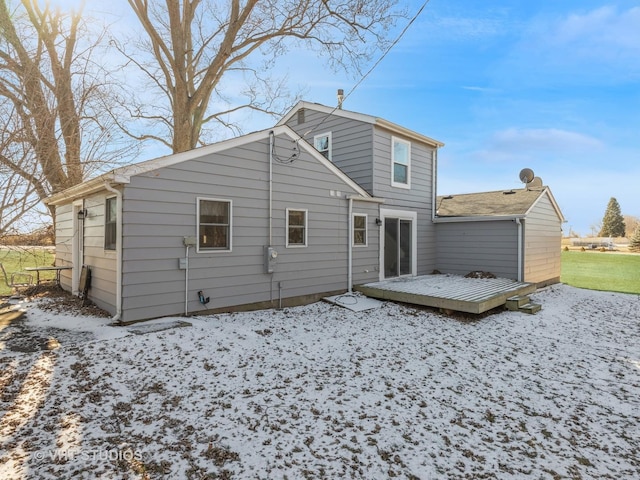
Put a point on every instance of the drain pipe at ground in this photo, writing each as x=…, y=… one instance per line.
x=116, y=318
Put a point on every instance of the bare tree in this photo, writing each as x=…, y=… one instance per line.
x=57, y=131
x=196, y=44
x=632, y=223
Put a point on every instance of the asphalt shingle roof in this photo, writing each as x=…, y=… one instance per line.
x=501, y=202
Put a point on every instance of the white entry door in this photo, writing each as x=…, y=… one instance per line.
x=398, y=243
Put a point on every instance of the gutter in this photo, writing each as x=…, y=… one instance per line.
x=479, y=218
x=118, y=193
x=358, y=198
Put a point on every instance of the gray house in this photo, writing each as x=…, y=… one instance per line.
x=325, y=200
x=265, y=219
x=512, y=234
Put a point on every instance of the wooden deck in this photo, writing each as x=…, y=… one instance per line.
x=449, y=292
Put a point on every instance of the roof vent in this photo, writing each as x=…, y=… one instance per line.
x=510, y=192
x=340, y=98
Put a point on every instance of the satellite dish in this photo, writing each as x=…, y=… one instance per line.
x=526, y=175
x=535, y=183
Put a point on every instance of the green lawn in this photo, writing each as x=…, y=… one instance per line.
x=16, y=259
x=601, y=271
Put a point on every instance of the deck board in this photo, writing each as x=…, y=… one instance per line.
x=451, y=292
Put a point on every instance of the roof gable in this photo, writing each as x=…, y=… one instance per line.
x=361, y=117
x=500, y=203
x=123, y=175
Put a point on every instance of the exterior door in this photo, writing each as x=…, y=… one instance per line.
x=398, y=244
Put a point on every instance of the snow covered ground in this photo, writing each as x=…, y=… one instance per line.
x=323, y=392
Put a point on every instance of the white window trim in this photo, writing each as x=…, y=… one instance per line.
x=402, y=215
x=366, y=230
x=330, y=149
x=306, y=228
x=407, y=185
x=104, y=243
x=214, y=250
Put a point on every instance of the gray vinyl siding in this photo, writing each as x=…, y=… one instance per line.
x=352, y=142
x=417, y=199
x=160, y=209
x=102, y=262
x=490, y=246
x=366, y=260
x=64, y=242
x=543, y=238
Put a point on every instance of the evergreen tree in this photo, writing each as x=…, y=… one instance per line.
x=613, y=221
x=634, y=246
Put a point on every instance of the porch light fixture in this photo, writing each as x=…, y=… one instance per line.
x=378, y=222
x=82, y=214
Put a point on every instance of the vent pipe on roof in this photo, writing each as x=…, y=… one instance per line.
x=340, y=98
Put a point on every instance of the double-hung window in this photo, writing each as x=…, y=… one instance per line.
x=214, y=224
x=400, y=163
x=110, y=222
x=296, y=228
x=323, y=144
x=359, y=230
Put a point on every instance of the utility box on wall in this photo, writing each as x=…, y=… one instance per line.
x=270, y=257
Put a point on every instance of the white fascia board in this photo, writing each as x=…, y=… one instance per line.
x=556, y=207
x=484, y=218
x=81, y=190
x=328, y=111
x=400, y=130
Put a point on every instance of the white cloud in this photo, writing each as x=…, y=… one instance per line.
x=601, y=30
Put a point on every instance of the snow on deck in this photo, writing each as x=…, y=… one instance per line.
x=452, y=292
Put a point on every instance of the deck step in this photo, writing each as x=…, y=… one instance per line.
x=530, y=308
x=514, y=303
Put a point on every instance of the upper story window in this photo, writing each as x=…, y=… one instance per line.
x=359, y=230
x=400, y=163
x=214, y=224
x=323, y=144
x=296, y=228
x=110, y=218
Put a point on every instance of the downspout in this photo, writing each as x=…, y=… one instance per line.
x=118, y=315
x=519, y=223
x=434, y=195
x=350, y=248
x=186, y=282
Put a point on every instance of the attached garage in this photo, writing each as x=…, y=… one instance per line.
x=513, y=234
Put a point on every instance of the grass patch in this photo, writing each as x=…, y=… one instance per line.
x=601, y=271
x=16, y=259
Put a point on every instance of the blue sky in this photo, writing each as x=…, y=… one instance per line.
x=553, y=86
x=550, y=85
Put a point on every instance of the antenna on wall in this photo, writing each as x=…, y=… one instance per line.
x=529, y=179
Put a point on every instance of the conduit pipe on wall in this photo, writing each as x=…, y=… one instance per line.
x=118, y=193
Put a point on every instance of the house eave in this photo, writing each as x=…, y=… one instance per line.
x=478, y=218
x=85, y=188
x=361, y=117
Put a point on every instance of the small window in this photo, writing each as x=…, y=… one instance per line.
x=359, y=230
x=400, y=163
x=323, y=144
x=110, y=217
x=214, y=224
x=296, y=228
